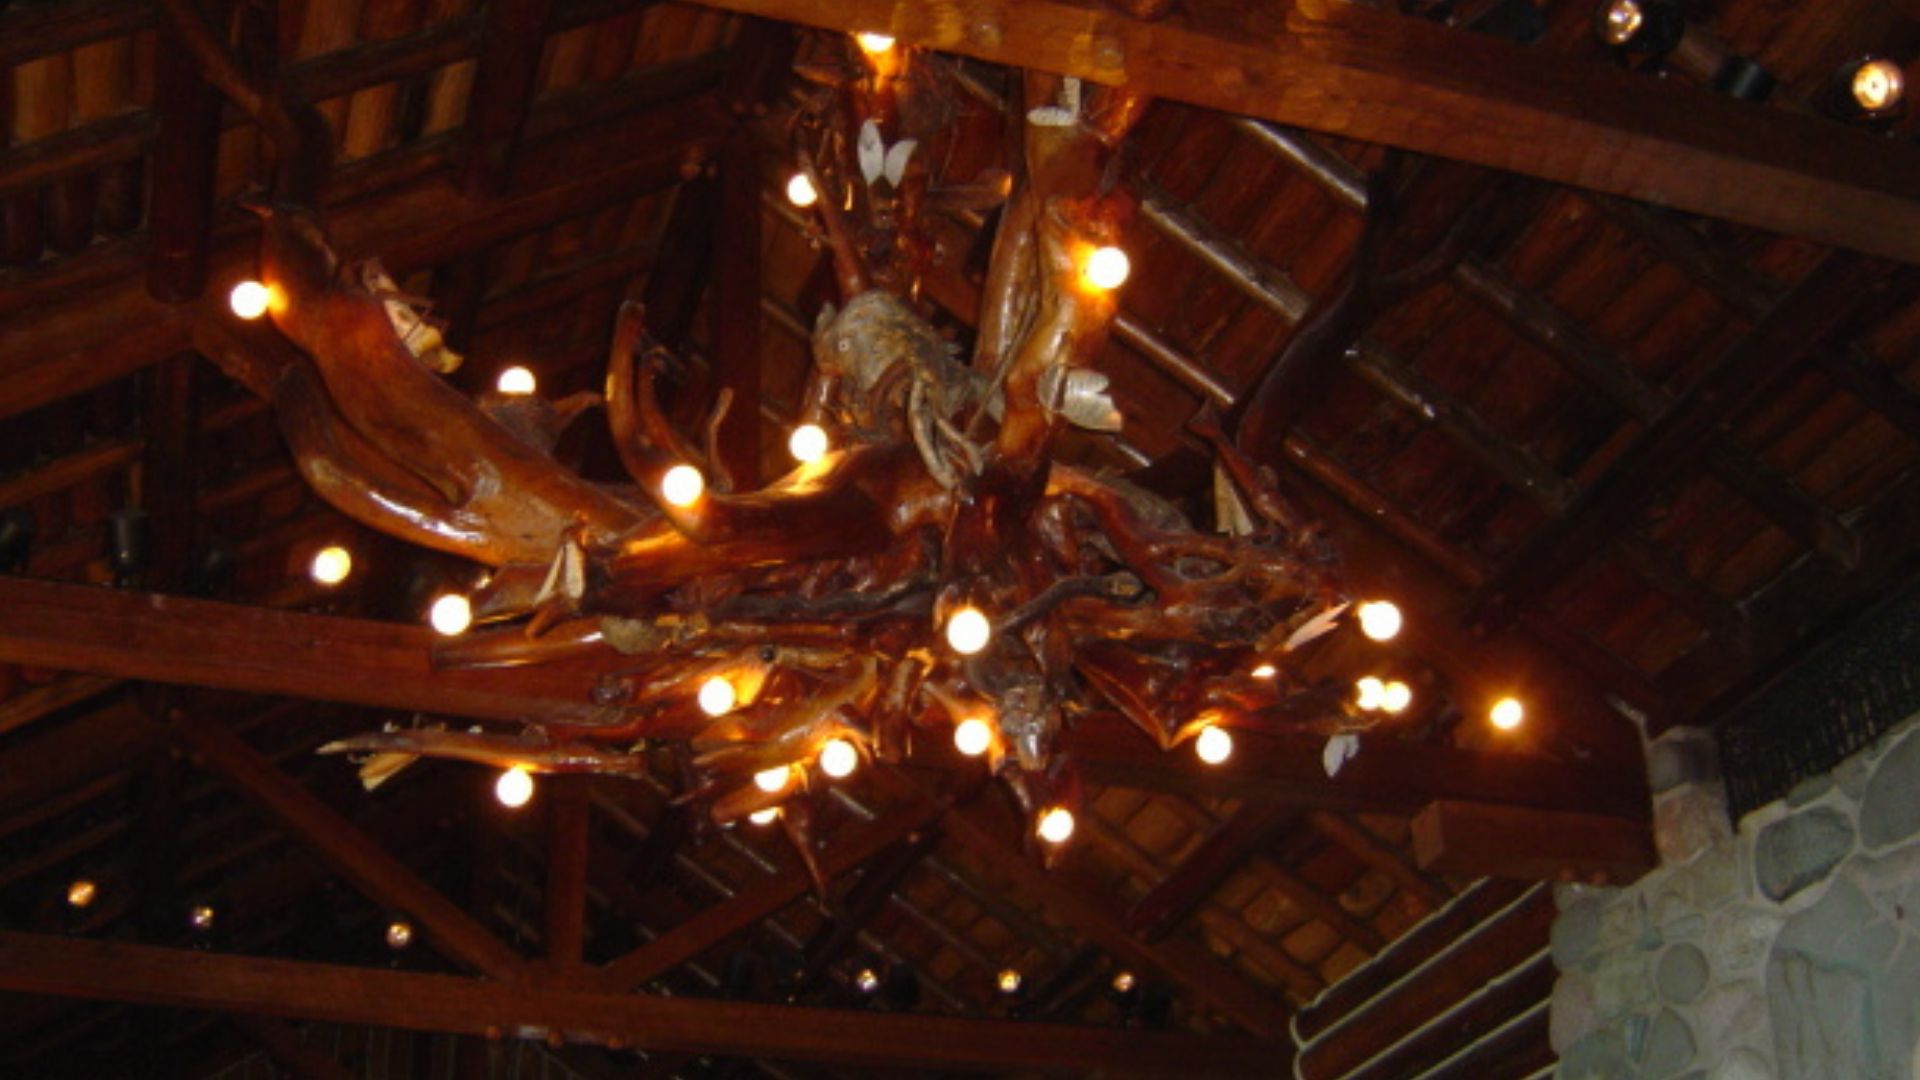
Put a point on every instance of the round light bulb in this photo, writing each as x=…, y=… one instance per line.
x=514, y=787
x=516, y=381
x=868, y=981
x=717, y=696
x=1624, y=19
x=331, y=565
x=808, y=443
x=1008, y=981
x=1507, y=713
x=81, y=893
x=1379, y=619
x=399, y=934
x=451, y=614
x=973, y=736
x=1265, y=671
x=1056, y=825
x=838, y=758
x=683, y=485
x=968, y=631
x=1878, y=85
x=1395, y=697
x=1213, y=745
x=1107, y=268
x=774, y=779
x=765, y=817
x=250, y=299
x=800, y=191
x=1123, y=982
x=873, y=44
x=200, y=918
x=1370, y=692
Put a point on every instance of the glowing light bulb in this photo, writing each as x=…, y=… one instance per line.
x=683, y=485
x=514, y=787
x=451, y=614
x=800, y=191
x=1265, y=671
x=399, y=934
x=874, y=44
x=1623, y=20
x=717, y=696
x=1370, y=693
x=1213, y=745
x=1056, y=825
x=1395, y=697
x=1507, y=713
x=1124, y=982
x=808, y=443
x=81, y=893
x=838, y=758
x=973, y=736
x=765, y=817
x=868, y=981
x=200, y=918
x=1009, y=981
x=1379, y=619
x=331, y=565
x=1106, y=268
x=250, y=299
x=516, y=381
x=1878, y=85
x=968, y=631
x=774, y=779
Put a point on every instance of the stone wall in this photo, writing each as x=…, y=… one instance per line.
x=1788, y=948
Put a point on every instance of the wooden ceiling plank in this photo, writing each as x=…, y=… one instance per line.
x=1222, y=851
x=714, y=924
x=421, y=1002
x=33, y=30
x=1205, y=978
x=369, y=866
x=1380, y=77
x=1798, y=324
x=1875, y=387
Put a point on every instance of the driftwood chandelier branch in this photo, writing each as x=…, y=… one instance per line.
x=930, y=570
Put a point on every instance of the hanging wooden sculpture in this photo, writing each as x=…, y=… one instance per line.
x=830, y=608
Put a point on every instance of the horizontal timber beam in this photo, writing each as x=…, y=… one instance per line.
x=1347, y=70
x=371, y=996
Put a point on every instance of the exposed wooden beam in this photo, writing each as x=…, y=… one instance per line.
x=24, y=708
x=369, y=866
x=569, y=831
x=512, y=36
x=735, y=310
x=418, y=1002
x=180, y=214
x=1352, y=71
x=1471, y=840
x=71, y=755
x=1202, y=871
x=1367, y=845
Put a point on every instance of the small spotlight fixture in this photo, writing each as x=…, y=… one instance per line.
x=1214, y=744
x=1124, y=982
x=331, y=565
x=773, y=780
x=874, y=44
x=973, y=736
x=514, y=787
x=81, y=894
x=516, y=381
x=968, y=631
x=1056, y=825
x=1395, y=697
x=1507, y=714
x=399, y=934
x=1379, y=619
x=808, y=443
x=451, y=614
x=250, y=300
x=717, y=696
x=1106, y=268
x=682, y=486
x=1876, y=86
x=868, y=981
x=838, y=758
x=766, y=816
x=800, y=191
x=1009, y=981
x=1641, y=26
x=200, y=918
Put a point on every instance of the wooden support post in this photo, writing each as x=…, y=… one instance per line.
x=419, y=1002
x=568, y=848
x=179, y=225
x=371, y=869
x=511, y=40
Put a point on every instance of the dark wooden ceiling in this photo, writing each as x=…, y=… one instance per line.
x=1621, y=460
